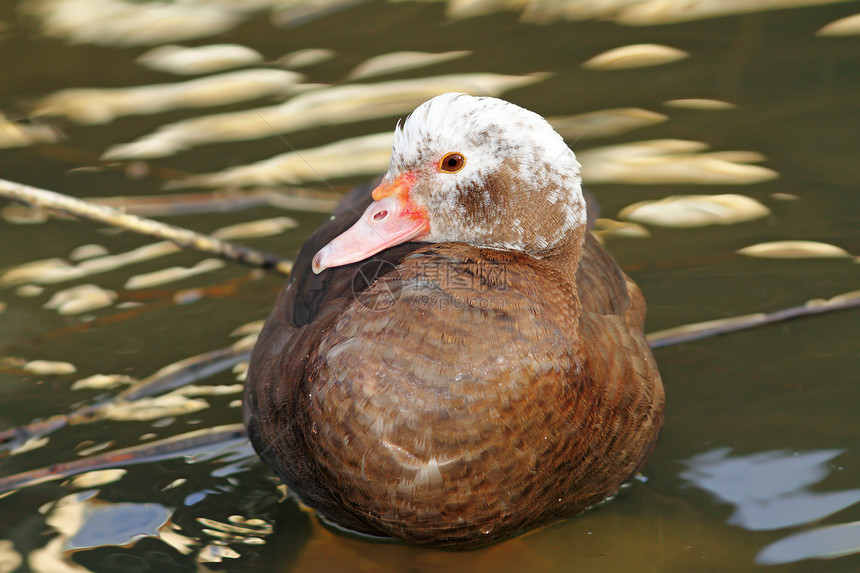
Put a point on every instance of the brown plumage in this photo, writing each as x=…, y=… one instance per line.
x=465, y=394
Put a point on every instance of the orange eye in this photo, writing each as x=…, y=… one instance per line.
x=452, y=163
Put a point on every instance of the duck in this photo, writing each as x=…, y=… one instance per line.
x=455, y=359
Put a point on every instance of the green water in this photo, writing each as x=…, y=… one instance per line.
x=761, y=436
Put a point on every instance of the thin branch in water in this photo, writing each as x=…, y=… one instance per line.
x=116, y=218
x=230, y=200
x=225, y=200
x=700, y=330
x=186, y=372
x=173, y=447
x=180, y=374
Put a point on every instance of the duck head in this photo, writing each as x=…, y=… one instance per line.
x=477, y=170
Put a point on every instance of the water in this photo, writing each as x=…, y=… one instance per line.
x=758, y=464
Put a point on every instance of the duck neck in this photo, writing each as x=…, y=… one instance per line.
x=564, y=257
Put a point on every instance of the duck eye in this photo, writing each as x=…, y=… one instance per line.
x=452, y=163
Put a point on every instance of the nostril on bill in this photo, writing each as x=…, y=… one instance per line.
x=380, y=216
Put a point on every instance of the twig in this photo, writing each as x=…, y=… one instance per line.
x=213, y=202
x=189, y=370
x=170, y=378
x=172, y=447
x=116, y=218
x=697, y=331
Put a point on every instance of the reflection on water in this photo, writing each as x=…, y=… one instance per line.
x=112, y=524
x=200, y=60
x=794, y=250
x=769, y=490
x=635, y=56
x=726, y=133
x=695, y=210
x=82, y=521
x=126, y=23
x=820, y=543
x=92, y=106
x=14, y=134
x=671, y=161
x=331, y=106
